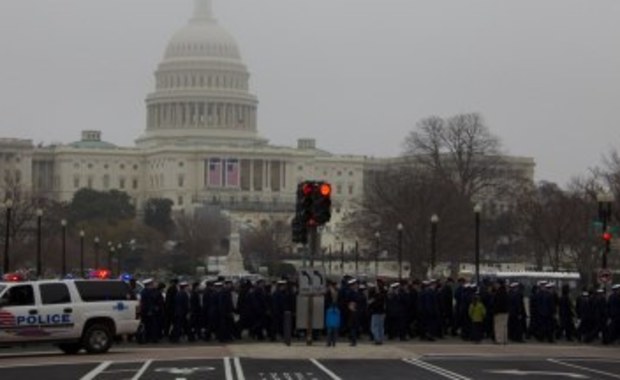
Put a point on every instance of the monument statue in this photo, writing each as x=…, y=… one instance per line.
x=234, y=260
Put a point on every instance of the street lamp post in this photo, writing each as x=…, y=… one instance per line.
x=63, y=224
x=434, y=221
x=6, y=265
x=119, y=258
x=110, y=253
x=604, y=213
x=477, y=211
x=399, y=228
x=377, y=240
x=39, y=265
x=341, y=257
x=96, y=243
x=81, y=253
x=357, y=257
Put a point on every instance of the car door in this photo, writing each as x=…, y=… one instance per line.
x=19, y=319
x=56, y=311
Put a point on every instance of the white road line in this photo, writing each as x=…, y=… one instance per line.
x=97, y=371
x=228, y=369
x=437, y=370
x=326, y=370
x=599, y=372
x=143, y=369
x=239, y=369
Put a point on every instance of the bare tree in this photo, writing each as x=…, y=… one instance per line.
x=411, y=196
x=460, y=150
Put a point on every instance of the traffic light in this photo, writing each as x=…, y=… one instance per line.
x=322, y=203
x=607, y=237
x=313, y=208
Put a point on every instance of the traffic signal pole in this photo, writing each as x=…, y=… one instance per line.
x=604, y=210
x=313, y=251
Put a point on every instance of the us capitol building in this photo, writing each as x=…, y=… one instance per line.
x=201, y=144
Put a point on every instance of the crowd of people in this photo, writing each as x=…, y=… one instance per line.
x=426, y=310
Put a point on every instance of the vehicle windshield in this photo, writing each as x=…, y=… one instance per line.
x=2, y=288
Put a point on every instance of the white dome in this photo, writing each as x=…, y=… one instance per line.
x=202, y=38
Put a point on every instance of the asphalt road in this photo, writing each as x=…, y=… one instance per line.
x=425, y=368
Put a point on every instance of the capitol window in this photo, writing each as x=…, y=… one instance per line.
x=106, y=181
x=121, y=183
x=134, y=183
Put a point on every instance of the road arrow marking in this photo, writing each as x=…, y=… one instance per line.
x=184, y=371
x=517, y=372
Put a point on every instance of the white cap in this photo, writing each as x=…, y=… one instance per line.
x=183, y=283
x=585, y=294
x=219, y=283
x=394, y=285
x=281, y=282
x=352, y=281
x=147, y=281
x=600, y=290
x=550, y=285
x=615, y=287
x=514, y=285
x=542, y=283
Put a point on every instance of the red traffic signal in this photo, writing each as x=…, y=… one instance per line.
x=607, y=236
x=325, y=189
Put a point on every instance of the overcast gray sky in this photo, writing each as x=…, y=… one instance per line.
x=355, y=74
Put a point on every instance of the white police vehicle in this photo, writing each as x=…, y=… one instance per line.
x=73, y=314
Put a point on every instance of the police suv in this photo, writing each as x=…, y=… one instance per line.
x=73, y=314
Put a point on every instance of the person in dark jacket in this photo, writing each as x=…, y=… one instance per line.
x=613, y=306
x=500, y=312
x=586, y=317
x=446, y=303
x=181, y=314
x=516, y=312
x=149, y=313
x=195, y=313
x=567, y=315
x=376, y=309
x=353, y=305
x=171, y=294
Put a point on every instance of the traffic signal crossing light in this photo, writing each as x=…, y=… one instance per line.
x=313, y=208
x=607, y=236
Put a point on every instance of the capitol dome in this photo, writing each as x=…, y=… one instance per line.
x=201, y=92
x=202, y=37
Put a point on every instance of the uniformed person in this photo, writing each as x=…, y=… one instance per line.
x=614, y=315
x=516, y=312
x=567, y=315
x=149, y=313
x=181, y=314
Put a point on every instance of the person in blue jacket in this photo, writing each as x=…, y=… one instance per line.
x=332, y=324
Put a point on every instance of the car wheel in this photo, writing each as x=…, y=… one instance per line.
x=97, y=339
x=70, y=348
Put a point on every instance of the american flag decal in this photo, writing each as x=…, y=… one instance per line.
x=7, y=319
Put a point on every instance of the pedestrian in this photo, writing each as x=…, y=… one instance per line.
x=181, y=317
x=353, y=318
x=376, y=309
x=171, y=294
x=614, y=315
x=516, y=312
x=567, y=315
x=332, y=324
x=477, y=313
x=500, y=312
